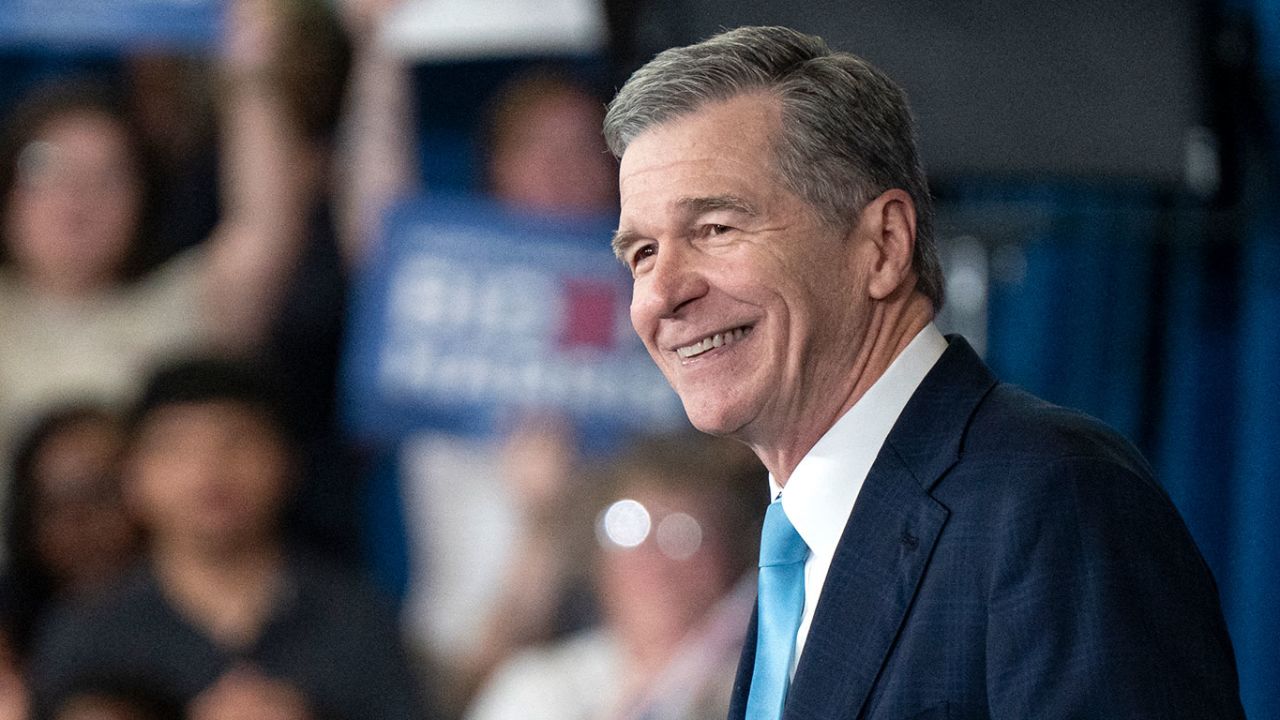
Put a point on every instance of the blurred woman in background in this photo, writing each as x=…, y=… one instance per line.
x=677, y=541
x=65, y=523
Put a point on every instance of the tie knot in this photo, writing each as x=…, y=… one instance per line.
x=780, y=544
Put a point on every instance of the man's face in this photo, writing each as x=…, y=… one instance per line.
x=213, y=474
x=752, y=306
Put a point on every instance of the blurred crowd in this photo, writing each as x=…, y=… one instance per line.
x=180, y=537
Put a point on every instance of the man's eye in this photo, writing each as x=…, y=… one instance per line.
x=714, y=229
x=642, y=253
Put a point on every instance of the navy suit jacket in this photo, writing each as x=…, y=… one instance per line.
x=1009, y=559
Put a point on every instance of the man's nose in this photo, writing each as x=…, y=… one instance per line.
x=671, y=284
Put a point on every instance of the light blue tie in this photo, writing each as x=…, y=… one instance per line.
x=782, y=556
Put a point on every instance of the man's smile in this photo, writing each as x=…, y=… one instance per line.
x=711, y=342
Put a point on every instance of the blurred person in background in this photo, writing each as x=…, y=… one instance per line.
x=66, y=526
x=223, y=619
x=672, y=571
x=82, y=304
x=540, y=581
x=542, y=146
x=542, y=153
x=73, y=198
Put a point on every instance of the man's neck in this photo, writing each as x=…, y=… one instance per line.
x=892, y=328
x=226, y=592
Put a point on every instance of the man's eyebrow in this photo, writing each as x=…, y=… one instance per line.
x=692, y=207
x=621, y=239
x=698, y=205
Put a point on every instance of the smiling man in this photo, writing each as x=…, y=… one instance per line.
x=940, y=544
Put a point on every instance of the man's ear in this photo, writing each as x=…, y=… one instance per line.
x=889, y=221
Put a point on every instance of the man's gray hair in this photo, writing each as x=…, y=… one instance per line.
x=847, y=130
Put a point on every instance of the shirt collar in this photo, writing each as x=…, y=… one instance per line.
x=822, y=489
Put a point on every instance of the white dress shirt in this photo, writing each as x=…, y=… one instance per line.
x=820, y=494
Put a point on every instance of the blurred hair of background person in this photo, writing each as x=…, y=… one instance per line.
x=169, y=97
x=223, y=618
x=677, y=538
x=66, y=526
x=72, y=202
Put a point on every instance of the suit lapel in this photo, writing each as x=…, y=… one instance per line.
x=885, y=547
x=877, y=566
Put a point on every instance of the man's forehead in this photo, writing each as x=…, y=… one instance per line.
x=716, y=157
x=688, y=164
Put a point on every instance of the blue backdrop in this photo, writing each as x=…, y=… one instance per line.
x=1161, y=315
x=1154, y=319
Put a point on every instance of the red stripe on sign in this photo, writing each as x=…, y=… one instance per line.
x=590, y=314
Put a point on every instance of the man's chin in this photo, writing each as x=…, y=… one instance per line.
x=717, y=422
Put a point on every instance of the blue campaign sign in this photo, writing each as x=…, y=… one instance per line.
x=109, y=24
x=469, y=310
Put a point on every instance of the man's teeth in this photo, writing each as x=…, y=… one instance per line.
x=714, y=341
